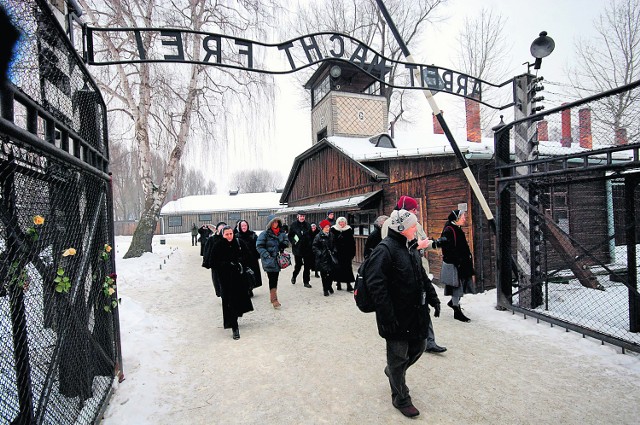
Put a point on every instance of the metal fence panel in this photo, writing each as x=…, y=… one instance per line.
x=59, y=334
x=568, y=226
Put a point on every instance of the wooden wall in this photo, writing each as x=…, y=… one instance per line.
x=438, y=184
x=328, y=174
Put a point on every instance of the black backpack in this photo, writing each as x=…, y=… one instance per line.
x=360, y=291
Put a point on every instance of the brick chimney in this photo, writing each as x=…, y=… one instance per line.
x=621, y=136
x=543, y=130
x=472, y=109
x=584, y=120
x=565, y=141
x=437, y=129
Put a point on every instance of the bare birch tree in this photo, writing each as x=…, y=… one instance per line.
x=169, y=105
x=482, y=49
x=608, y=60
x=362, y=20
x=255, y=181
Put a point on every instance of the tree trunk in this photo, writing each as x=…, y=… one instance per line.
x=141, y=241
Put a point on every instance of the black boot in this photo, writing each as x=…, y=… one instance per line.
x=450, y=304
x=459, y=315
x=236, y=333
x=326, y=292
x=349, y=287
x=338, y=286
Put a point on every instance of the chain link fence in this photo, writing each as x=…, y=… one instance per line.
x=568, y=227
x=59, y=334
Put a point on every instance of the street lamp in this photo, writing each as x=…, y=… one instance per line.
x=541, y=48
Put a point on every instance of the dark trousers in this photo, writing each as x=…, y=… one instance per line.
x=400, y=355
x=302, y=260
x=194, y=240
x=273, y=279
x=326, y=281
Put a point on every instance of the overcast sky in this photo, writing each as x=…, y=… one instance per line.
x=565, y=21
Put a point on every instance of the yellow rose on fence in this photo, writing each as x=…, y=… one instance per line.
x=38, y=220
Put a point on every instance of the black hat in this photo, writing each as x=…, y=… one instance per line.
x=454, y=215
x=302, y=212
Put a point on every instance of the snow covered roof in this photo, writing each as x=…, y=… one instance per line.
x=407, y=145
x=208, y=203
x=412, y=144
x=352, y=202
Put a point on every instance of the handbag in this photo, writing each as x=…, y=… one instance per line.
x=284, y=259
x=249, y=277
x=334, y=259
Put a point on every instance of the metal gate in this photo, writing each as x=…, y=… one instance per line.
x=59, y=334
x=567, y=223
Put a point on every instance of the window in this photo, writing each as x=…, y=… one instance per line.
x=233, y=217
x=204, y=217
x=264, y=213
x=554, y=202
x=321, y=90
x=321, y=134
x=362, y=222
x=175, y=221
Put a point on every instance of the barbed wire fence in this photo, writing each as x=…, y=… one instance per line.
x=59, y=331
x=568, y=223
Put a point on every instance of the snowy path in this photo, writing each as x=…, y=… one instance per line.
x=318, y=360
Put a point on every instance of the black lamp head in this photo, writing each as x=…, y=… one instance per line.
x=541, y=48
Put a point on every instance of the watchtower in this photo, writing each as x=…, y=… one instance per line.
x=345, y=101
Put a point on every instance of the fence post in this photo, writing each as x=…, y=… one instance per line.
x=503, y=215
x=630, y=184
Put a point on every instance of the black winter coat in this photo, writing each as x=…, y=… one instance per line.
x=396, y=281
x=228, y=260
x=250, y=238
x=204, y=233
x=373, y=240
x=322, y=245
x=344, y=246
x=301, y=230
x=456, y=250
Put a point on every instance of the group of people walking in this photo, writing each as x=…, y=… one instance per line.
x=397, y=274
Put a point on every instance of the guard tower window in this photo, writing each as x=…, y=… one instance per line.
x=321, y=91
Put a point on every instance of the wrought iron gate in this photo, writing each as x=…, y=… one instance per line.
x=59, y=334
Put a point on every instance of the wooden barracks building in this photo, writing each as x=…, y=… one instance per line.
x=357, y=170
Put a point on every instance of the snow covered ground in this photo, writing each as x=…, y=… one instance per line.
x=319, y=360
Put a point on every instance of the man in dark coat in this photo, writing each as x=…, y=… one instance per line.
x=194, y=235
x=401, y=289
x=300, y=238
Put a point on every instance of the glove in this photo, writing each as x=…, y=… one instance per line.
x=436, y=310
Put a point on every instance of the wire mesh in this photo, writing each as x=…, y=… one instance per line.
x=572, y=219
x=59, y=333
